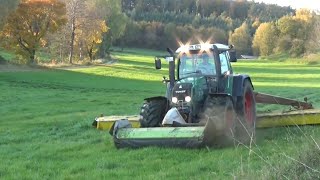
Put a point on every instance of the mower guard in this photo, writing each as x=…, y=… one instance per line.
x=185, y=137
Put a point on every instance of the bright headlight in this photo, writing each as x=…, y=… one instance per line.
x=174, y=99
x=187, y=98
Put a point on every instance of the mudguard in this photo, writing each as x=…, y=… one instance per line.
x=238, y=81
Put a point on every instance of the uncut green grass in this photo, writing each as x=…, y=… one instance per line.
x=46, y=116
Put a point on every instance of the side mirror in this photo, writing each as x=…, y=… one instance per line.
x=157, y=62
x=233, y=56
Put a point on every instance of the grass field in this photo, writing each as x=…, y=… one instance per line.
x=46, y=133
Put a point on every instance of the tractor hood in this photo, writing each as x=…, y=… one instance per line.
x=187, y=86
x=195, y=87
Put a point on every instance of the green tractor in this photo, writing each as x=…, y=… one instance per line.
x=201, y=89
x=206, y=104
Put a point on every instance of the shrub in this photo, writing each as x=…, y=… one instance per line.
x=2, y=60
x=297, y=48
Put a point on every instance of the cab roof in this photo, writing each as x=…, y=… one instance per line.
x=202, y=46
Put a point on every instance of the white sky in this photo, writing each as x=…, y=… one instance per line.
x=310, y=4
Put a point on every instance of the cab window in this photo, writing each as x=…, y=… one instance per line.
x=224, y=63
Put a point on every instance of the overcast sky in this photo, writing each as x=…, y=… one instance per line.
x=310, y=4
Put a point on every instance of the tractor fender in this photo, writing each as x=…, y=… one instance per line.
x=156, y=98
x=238, y=81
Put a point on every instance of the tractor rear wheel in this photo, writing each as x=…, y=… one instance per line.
x=246, y=112
x=152, y=112
x=220, y=116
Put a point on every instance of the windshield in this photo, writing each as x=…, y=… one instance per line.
x=196, y=64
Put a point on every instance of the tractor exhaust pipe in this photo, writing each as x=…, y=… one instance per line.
x=172, y=78
x=218, y=66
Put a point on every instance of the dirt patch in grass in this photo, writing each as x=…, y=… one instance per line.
x=6, y=67
x=80, y=65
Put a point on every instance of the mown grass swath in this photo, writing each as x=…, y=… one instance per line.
x=46, y=132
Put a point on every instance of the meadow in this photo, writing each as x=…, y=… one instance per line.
x=46, y=132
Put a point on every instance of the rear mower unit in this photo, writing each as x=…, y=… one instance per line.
x=206, y=104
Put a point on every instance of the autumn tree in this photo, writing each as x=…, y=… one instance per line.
x=308, y=21
x=265, y=39
x=287, y=25
x=110, y=10
x=87, y=30
x=284, y=44
x=212, y=34
x=313, y=42
x=7, y=6
x=294, y=32
x=57, y=46
x=76, y=14
x=241, y=39
x=306, y=18
x=28, y=25
x=91, y=34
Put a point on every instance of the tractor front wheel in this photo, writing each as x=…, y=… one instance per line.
x=152, y=112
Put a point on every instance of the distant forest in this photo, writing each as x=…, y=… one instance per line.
x=159, y=24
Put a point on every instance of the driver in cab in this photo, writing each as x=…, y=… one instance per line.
x=206, y=67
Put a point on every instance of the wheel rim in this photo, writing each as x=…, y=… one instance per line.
x=248, y=108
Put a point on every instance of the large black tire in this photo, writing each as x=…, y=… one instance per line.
x=152, y=112
x=220, y=116
x=246, y=115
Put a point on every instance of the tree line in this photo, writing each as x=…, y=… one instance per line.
x=254, y=28
x=69, y=30
x=162, y=9
x=64, y=30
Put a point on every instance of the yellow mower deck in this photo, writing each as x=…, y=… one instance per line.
x=106, y=122
x=300, y=117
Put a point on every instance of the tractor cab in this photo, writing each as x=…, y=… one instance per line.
x=200, y=59
x=202, y=63
x=195, y=65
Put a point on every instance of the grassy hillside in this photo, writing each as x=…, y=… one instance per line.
x=46, y=133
